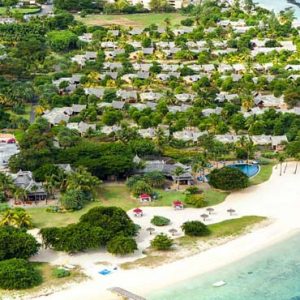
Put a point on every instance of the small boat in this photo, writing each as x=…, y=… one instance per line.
x=219, y=283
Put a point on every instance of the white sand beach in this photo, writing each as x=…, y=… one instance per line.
x=278, y=199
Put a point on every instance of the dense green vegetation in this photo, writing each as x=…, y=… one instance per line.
x=99, y=227
x=228, y=179
x=18, y=274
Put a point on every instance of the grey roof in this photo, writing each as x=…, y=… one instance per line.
x=98, y=92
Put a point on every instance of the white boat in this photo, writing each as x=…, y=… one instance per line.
x=219, y=283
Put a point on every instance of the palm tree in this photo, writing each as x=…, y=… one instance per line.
x=178, y=172
x=82, y=180
x=20, y=194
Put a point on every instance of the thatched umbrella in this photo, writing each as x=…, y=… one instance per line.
x=150, y=229
x=173, y=231
x=204, y=216
x=231, y=211
x=210, y=210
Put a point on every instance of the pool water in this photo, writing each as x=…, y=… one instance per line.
x=248, y=169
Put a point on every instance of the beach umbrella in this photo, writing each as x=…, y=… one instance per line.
x=204, y=217
x=150, y=229
x=173, y=231
x=231, y=211
x=210, y=210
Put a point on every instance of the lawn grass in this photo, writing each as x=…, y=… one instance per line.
x=114, y=195
x=132, y=20
x=263, y=175
x=41, y=218
x=224, y=229
x=23, y=11
x=49, y=281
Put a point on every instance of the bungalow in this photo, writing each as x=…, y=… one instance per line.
x=34, y=190
x=114, y=32
x=81, y=127
x=135, y=31
x=139, y=106
x=224, y=96
x=188, y=134
x=110, y=129
x=129, y=96
x=151, y=96
x=182, y=30
x=112, y=66
x=269, y=101
x=109, y=45
x=98, y=92
x=147, y=133
x=191, y=78
x=58, y=115
x=278, y=142
x=184, y=97
x=86, y=37
x=209, y=111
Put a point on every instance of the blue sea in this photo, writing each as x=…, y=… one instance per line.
x=278, y=5
x=272, y=274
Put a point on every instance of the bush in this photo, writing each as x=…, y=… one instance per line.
x=121, y=245
x=16, y=243
x=195, y=200
x=74, y=237
x=18, y=274
x=162, y=242
x=160, y=221
x=141, y=187
x=228, y=179
x=193, y=190
x=74, y=199
x=195, y=228
x=60, y=273
x=112, y=219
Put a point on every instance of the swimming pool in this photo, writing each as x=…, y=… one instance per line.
x=248, y=169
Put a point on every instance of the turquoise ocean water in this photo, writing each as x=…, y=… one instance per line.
x=271, y=274
x=278, y=5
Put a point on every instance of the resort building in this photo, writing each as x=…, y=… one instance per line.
x=35, y=190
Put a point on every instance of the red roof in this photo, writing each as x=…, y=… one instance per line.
x=145, y=196
x=137, y=210
x=177, y=203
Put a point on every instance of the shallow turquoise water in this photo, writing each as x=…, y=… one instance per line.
x=278, y=5
x=272, y=274
x=249, y=170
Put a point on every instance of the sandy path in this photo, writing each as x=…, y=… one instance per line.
x=278, y=199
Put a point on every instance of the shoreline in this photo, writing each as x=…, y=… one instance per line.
x=276, y=199
x=145, y=281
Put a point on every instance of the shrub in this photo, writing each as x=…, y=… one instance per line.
x=112, y=219
x=160, y=221
x=195, y=200
x=141, y=187
x=228, y=179
x=121, y=245
x=162, y=242
x=18, y=274
x=16, y=243
x=193, y=190
x=60, y=273
x=195, y=228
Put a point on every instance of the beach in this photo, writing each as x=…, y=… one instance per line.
x=276, y=199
